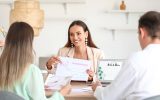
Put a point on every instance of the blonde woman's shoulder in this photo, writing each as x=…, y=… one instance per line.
x=34, y=67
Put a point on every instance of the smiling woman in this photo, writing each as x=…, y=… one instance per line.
x=79, y=45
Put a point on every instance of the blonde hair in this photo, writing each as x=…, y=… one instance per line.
x=17, y=54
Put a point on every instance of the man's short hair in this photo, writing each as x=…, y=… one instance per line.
x=151, y=22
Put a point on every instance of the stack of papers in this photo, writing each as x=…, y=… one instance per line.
x=56, y=82
x=81, y=90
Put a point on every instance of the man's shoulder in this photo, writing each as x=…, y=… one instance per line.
x=137, y=58
x=136, y=55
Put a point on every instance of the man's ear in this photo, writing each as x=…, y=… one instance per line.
x=143, y=33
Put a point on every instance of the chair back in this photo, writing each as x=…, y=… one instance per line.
x=5, y=95
x=153, y=98
x=42, y=62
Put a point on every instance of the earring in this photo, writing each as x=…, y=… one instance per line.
x=86, y=41
x=71, y=45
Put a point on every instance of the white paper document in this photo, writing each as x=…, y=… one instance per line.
x=76, y=68
x=56, y=82
x=81, y=90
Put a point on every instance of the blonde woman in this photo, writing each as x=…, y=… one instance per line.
x=17, y=73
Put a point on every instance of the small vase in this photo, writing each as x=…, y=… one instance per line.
x=122, y=5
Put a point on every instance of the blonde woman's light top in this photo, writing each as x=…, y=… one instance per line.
x=31, y=86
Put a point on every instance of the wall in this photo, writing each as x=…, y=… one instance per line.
x=116, y=44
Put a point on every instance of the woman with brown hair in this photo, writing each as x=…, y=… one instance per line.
x=80, y=46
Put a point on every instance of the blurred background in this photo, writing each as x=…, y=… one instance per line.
x=113, y=30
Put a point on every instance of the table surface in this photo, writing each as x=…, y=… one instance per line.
x=79, y=91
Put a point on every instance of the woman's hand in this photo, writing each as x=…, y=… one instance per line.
x=90, y=73
x=52, y=61
x=95, y=84
x=65, y=90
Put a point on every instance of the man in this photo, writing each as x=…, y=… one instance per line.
x=139, y=78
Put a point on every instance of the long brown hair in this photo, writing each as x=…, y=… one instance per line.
x=17, y=54
x=85, y=28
